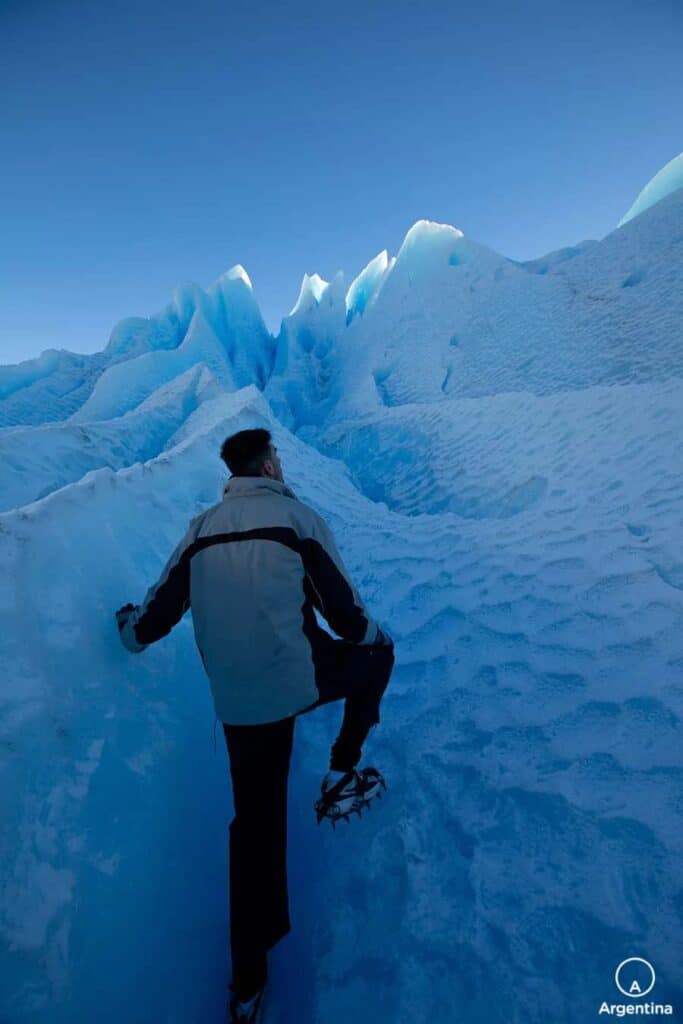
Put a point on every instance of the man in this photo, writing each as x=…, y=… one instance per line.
x=253, y=568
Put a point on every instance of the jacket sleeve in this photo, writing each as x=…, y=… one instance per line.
x=166, y=601
x=334, y=594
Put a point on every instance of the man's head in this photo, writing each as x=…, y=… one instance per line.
x=252, y=453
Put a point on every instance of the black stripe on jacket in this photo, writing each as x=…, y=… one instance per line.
x=332, y=595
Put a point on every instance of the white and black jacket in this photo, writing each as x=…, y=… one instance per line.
x=251, y=569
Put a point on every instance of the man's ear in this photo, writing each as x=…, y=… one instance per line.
x=267, y=469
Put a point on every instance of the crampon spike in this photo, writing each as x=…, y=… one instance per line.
x=332, y=812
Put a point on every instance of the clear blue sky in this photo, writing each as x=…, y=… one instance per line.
x=146, y=144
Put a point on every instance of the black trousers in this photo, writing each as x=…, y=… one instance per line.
x=259, y=757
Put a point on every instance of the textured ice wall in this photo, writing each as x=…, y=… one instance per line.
x=112, y=875
x=533, y=732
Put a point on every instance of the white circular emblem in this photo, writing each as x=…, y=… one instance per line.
x=630, y=982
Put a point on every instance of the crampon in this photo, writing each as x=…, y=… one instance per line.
x=354, y=791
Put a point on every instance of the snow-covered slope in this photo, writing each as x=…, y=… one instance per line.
x=497, y=447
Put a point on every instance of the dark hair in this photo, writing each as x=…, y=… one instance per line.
x=245, y=452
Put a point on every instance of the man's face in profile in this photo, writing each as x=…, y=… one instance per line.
x=275, y=465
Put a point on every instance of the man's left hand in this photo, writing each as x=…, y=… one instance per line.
x=123, y=614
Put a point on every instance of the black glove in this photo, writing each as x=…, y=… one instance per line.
x=123, y=614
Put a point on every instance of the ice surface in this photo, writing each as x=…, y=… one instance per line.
x=306, y=362
x=45, y=390
x=666, y=181
x=226, y=332
x=39, y=460
x=497, y=448
x=222, y=328
x=364, y=288
x=552, y=259
x=311, y=292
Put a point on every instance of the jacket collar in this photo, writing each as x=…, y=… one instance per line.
x=238, y=485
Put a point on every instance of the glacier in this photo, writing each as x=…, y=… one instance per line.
x=497, y=447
